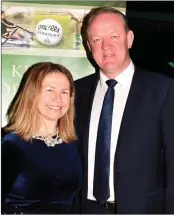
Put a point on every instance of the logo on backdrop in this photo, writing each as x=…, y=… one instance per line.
x=48, y=32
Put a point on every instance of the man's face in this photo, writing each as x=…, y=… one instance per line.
x=3, y=16
x=109, y=43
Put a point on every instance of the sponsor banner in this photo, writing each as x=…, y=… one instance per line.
x=38, y=26
x=28, y=25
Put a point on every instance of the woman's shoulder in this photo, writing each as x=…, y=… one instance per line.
x=12, y=148
x=68, y=146
x=74, y=147
x=73, y=144
x=12, y=139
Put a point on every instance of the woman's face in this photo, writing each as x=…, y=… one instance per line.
x=54, y=99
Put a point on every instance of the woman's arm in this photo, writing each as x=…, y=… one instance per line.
x=11, y=164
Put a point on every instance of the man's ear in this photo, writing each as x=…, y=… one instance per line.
x=89, y=47
x=130, y=38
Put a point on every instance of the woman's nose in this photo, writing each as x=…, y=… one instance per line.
x=57, y=98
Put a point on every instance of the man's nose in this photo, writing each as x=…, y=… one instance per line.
x=105, y=44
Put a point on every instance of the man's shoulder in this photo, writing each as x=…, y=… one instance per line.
x=85, y=80
x=153, y=77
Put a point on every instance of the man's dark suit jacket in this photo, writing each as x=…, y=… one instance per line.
x=144, y=158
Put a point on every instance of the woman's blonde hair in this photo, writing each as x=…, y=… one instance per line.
x=22, y=113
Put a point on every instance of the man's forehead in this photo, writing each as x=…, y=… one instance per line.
x=110, y=22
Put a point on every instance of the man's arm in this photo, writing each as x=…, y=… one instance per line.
x=8, y=24
x=168, y=146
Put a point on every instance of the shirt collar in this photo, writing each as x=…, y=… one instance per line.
x=123, y=78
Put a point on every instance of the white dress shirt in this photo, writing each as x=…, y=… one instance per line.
x=122, y=88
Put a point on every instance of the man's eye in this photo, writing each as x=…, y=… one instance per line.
x=65, y=92
x=96, y=40
x=114, y=37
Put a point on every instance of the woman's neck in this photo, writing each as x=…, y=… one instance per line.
x=47, y=128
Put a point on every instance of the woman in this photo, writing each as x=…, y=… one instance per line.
x=41, y=165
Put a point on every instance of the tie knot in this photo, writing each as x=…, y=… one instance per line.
x=111, y=83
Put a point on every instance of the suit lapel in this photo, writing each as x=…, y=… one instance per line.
x=88, y=107
x=129, y=114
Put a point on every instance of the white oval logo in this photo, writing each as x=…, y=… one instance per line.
x=48, y=32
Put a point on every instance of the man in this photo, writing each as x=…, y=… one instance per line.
x=77, y=27
x=4, y=28
x=77, y=17
x=130, y=114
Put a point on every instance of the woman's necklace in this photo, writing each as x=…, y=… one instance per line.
x=50, y=140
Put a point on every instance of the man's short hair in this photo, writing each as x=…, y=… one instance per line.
x=88, y=18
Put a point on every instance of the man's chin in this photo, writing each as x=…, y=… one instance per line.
x=110, y=72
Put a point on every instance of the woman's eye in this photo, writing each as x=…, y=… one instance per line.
x=49, y=90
